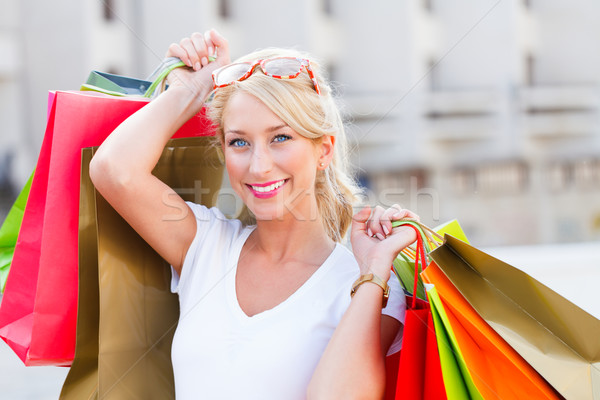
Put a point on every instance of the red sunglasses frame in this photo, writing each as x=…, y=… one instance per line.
x=304, y=63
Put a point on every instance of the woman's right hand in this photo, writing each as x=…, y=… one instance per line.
x=194, y=51
x=375, y=243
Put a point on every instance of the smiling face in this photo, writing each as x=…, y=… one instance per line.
x=271, y=167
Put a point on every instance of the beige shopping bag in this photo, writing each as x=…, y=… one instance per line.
x=557, y=338
x=127, y=314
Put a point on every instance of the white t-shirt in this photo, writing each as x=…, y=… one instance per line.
x=221, y=353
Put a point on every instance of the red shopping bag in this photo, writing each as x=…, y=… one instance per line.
x=39, y=308
x=415, y=372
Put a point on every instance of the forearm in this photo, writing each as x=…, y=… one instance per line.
x=352, y=366
x=136, y=145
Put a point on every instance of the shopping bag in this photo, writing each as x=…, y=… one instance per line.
x=457, y=379
x=557, y=338
x=16, y=309
x=12, y=225
x=129, y=286
x=10, y=231
x=117, y=85
x=490, y=361
x=419, y=370
x=82, y=380
x=404, y=265
x=38, y=311
x=419, y=373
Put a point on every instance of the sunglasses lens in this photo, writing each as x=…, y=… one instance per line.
x=231, y=73
x=283, y=66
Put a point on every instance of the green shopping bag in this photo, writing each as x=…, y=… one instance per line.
x=457, y=378
x=9, y=232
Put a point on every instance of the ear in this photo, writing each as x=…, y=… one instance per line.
x=326, y=149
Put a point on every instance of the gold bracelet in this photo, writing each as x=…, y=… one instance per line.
x=372, y=278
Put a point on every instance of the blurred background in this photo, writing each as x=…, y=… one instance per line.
x=486, y=111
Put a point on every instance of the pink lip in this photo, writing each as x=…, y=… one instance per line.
x=265, y=195
x=264, y=184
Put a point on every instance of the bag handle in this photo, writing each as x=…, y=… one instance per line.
x=161, y=72
x=431, y=240
x=422, y=258
x=425, y=239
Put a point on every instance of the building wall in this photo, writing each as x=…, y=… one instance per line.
x=483, y=111
x=496, y=122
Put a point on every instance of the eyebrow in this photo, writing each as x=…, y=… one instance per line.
x=235, y=131
x=277, y=127
x=269, y=129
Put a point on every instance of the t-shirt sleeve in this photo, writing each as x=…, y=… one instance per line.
x=212, y=227
x=396, y=308
x=202, y=214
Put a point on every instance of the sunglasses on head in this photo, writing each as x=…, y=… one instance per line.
x=277, y=67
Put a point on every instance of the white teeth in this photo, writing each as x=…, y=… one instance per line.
x=264, y=189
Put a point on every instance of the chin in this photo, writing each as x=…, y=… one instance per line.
x=263, y=213
x=277, y=208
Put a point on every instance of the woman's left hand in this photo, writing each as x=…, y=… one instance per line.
x=195, y=51
x=374, y=243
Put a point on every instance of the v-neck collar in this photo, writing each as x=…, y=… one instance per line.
x=232, y=292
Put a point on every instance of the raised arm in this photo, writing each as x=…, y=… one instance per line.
x=122, y=167
x=353, y=364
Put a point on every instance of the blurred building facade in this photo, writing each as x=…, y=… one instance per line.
x=484, y=111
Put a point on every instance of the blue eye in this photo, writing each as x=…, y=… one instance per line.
x=281, y=138
x=237, y=143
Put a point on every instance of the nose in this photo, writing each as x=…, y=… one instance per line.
x=261, y=161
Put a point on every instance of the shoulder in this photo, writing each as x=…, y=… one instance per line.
x=217, y=239
x=212, y=221
x=215, y=230
x=203, y=213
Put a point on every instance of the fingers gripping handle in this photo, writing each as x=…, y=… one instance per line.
x=161, y=72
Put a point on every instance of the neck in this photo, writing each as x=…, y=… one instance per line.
x=292, y=237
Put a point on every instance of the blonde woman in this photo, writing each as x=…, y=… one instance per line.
x=266, y=309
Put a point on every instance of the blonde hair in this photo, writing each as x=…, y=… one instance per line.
x=309, y=114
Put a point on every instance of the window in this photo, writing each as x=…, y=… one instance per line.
x=224, y=9
x=327, y=7
x=509, y=177
x=432, y=75
x=108, y=7
x=529, y=70
x=427, y=5
x=586, y=173
x=557, y=176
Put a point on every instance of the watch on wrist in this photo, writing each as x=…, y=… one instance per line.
x=372, y=278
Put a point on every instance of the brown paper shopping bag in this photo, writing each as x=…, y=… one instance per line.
x=557, y=338
x=127, y=314
x=82, y=379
